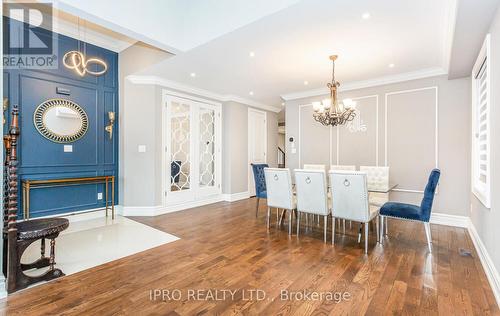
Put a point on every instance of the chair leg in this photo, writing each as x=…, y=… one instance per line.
x=298, y=222
x=268, y=216
x=333, y=230
x=325, y=219
x=366, y=237
x=377, y=225
x=257, y=207
x=382, y=220
x=359, y=232
x=290, y=222
x=343, y=224
x=386, y=226
x=428, y=234
x=282, y=216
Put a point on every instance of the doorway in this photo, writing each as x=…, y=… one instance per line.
x=192, y=142
x=257, y=143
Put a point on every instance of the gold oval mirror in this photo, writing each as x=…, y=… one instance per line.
x=61, y=120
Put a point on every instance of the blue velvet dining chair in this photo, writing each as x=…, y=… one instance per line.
x=411, y=212
x=260, y=183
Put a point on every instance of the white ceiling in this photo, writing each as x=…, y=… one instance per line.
x=292, y=46
x=292, y=39
x=472, y=22
x=173, y=25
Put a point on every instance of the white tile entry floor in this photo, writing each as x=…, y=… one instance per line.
x=89, y=242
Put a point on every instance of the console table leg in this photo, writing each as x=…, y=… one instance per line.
x=42, y=248
x=113, y=198
x=107, y=197
x=52, y=254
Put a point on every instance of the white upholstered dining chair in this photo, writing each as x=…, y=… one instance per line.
x=378, y=179
x=343, y=168
x=280, y=193
x=312, y=197
x=350, y=200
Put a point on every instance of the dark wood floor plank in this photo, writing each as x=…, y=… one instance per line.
x=223, y=246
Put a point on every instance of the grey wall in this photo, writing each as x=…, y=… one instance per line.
x=485, y=220
x=138, y=117
x=411, y=145
x=235, y=146
x=140, y=126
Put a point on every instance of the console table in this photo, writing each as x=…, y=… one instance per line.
x=28, y=185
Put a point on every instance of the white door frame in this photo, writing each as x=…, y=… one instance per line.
x=250, y=173
x=169, y=95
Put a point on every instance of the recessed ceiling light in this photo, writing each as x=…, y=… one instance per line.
x=391, y=65
x=306, y=83
x=250, y=93
x=193, y=74
x=366, y=15
x=282, y=103
x=251, y=54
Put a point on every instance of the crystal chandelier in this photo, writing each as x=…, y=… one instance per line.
x=330, y=111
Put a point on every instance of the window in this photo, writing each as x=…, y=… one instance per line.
x=481, y=102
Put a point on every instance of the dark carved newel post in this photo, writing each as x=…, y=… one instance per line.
x=12, y=202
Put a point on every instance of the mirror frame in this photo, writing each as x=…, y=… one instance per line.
x=44, y=130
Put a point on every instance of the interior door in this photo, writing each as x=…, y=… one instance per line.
x=179, y=151
x=208, y=145
x=257, y=143
x=192, y=150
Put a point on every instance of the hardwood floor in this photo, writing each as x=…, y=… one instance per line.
x=223, y=246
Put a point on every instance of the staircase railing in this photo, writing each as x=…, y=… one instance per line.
x=281, y=158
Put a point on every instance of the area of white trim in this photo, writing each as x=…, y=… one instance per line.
x=155, y=80
x=436, y=129
x=420, y=74
x=449, y=220
x=376, y=129
x=486, y=261
x=3, y=289
x=160, y=209
x=233, y=197
x=377, y=140
x=86, y=214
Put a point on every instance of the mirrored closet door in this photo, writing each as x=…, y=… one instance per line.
x=192, y=140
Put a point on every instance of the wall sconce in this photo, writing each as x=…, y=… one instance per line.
x=109, y=128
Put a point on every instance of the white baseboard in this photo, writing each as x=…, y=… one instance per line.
x=160, y=209
x=487, y=263
x=3, y=287
x=449, y=220
x=236, y=196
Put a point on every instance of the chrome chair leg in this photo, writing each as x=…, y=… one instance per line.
x=333, y=230
x=325, y=219
x=366, y=237
x=386, y=226
x=281, y=217
x=268, y=216
x=428, y=235
x=382, y=220
x=290, y=222
x=298, y=222
x=343, y=224
x=359, y=232
x=377, y=225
